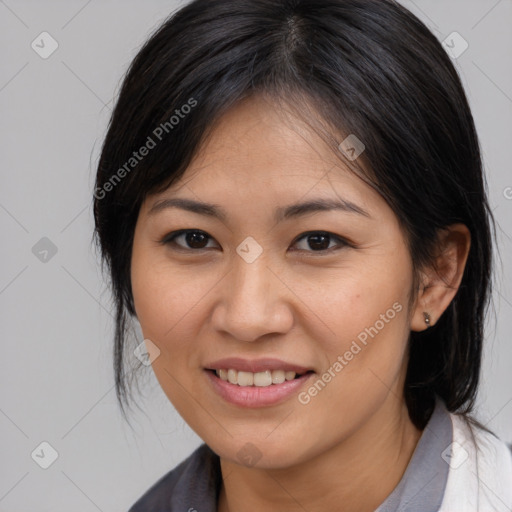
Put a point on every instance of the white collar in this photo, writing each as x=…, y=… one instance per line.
x=480, y=475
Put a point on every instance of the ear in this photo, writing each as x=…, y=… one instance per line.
x=440, y=282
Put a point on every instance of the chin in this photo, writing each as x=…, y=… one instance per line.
x=251, y=452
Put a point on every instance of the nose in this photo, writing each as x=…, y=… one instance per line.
x=254, y=302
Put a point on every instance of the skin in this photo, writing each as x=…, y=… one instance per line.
x=352, y=442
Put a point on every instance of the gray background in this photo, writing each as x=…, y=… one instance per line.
x=56, y=382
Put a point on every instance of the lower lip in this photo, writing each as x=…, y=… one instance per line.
x=256, y=396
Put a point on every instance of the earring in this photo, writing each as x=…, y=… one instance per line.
x=427, y=318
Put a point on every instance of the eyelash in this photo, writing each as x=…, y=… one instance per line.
x=170, y=238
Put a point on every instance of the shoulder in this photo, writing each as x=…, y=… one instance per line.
x=194, y=477
x=480, y=469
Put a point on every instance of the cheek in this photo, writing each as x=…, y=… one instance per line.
x=169, y=301
x=158, y=303
x=359, y=303
x=365, y=352
x=161, y=299
x=365, y=310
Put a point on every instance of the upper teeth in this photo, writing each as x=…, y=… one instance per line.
x=261, y=379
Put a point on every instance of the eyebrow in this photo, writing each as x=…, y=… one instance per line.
x=282, y=213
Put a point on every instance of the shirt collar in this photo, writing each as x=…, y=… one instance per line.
x=422, y=486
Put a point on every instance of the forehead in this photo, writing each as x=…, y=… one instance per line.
x=257, y=143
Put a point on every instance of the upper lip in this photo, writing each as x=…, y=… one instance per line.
x=255, y=365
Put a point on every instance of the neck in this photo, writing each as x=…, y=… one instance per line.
x=360, y=472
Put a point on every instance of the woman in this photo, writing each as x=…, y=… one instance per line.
x=290, y=201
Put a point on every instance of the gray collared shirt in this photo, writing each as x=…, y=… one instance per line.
x=194, y=485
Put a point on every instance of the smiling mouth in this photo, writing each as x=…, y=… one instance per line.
x=258, y=379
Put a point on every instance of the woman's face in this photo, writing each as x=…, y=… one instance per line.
x=274, y=287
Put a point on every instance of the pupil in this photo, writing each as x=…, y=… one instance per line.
x=320, y=242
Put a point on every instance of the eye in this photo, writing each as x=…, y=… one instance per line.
x=319, y=241
x=315, y=241
x=191, y=238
